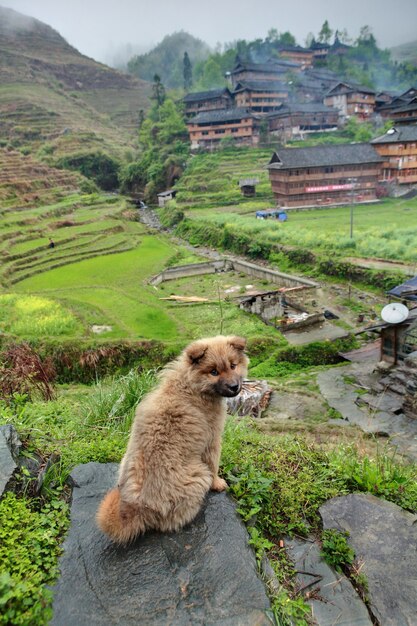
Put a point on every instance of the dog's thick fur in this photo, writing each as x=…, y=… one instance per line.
x=172, y=458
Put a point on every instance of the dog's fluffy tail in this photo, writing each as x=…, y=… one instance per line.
x=122, y=522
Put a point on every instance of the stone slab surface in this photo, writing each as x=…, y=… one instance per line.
x=203, y=575
x=343, y=397
x=333, y=599
x=384, y=537
x=9, y=451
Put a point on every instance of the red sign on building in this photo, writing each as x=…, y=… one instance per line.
x=328, y=188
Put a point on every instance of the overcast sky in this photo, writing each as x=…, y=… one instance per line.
x=95, y=27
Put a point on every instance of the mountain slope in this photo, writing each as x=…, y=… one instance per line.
x=49, y=92
x=406, y=53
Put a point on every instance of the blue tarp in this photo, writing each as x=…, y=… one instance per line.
x=407, y=290
x=278, y=214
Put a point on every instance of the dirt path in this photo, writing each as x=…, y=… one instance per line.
x=380, y=264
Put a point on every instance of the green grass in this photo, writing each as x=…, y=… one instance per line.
x=30, y=316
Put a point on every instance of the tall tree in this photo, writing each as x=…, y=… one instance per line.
x=325, y=33
x=158, y=91
x=187, y=72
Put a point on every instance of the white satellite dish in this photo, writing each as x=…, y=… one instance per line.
x=394, y=313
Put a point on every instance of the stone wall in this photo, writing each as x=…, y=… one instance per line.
x=227, y=265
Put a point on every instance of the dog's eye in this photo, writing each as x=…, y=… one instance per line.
x=214, y=372
x=232, y=366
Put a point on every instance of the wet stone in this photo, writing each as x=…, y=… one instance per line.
x=332, y=598
x=9, y=453
x=203, y=575
x=384, y=538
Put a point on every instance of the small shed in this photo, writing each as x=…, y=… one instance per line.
x=165, y=196
x=405, y=291
x=398, y=340
x=248, y=187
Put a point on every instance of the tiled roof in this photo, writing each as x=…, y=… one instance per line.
x=261, y=85
x=398, y=134
x=319, y=156
x=222, y=115
x=304, y=107
x=206, y=95
x=341, y=88
x=279, y=66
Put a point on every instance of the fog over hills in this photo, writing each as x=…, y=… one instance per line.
x=103, y=28
x=51, y=92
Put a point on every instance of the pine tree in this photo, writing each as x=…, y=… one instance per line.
x=158, y=91
x=187, y=72
x=326, y=33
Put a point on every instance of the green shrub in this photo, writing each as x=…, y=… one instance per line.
x=100, y=167
x=29, y=548
x=336, y=550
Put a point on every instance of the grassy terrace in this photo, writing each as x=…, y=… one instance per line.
x=97, y=275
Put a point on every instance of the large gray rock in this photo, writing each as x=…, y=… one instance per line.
x=204, y=574
x=333, y=599
x=384, y=537
x=9, y=452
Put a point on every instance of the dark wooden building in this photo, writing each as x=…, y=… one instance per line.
x=398, y=148
x=206, y=130
x=261, y=96
x=351, y=100
x=211, y=100
x=272, y=70
x=297, y=54
x=293, y=119
x=325, y=175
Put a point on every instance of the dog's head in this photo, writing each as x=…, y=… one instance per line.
x=218, y=364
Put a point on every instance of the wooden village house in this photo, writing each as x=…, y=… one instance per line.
x=261, y=96
x=206, y=130
x=398, y=148
x=293, y=119
x=211, y=100
x=325, y=175
x=351, y=100
x=272, y=70
x=297, y=54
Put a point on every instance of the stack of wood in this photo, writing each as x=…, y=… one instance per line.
x=253, y=398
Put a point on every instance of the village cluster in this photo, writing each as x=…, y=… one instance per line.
x=262, y=98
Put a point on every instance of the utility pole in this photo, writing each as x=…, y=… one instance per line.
x=352, y=200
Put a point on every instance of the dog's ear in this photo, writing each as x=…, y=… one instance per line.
x=196, y=351
x=238, y=343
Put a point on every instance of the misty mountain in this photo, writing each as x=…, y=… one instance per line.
x=49, y=92
x=166, y=59
x=406, y=53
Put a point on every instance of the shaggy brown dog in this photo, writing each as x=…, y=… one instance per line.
x=172, y=458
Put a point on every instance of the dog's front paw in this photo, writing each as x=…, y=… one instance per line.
x=218, y=484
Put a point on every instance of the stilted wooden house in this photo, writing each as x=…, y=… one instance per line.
x=297, y=54
x=351, y=100
x=272, y=70
x=325, y=175
x=206, y=130
x=212, y=100
x=398, y=148
x=261, y=96
x=293, y=119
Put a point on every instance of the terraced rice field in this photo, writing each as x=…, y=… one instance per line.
x=97, y=275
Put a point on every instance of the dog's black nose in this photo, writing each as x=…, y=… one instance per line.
x=234, y=388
